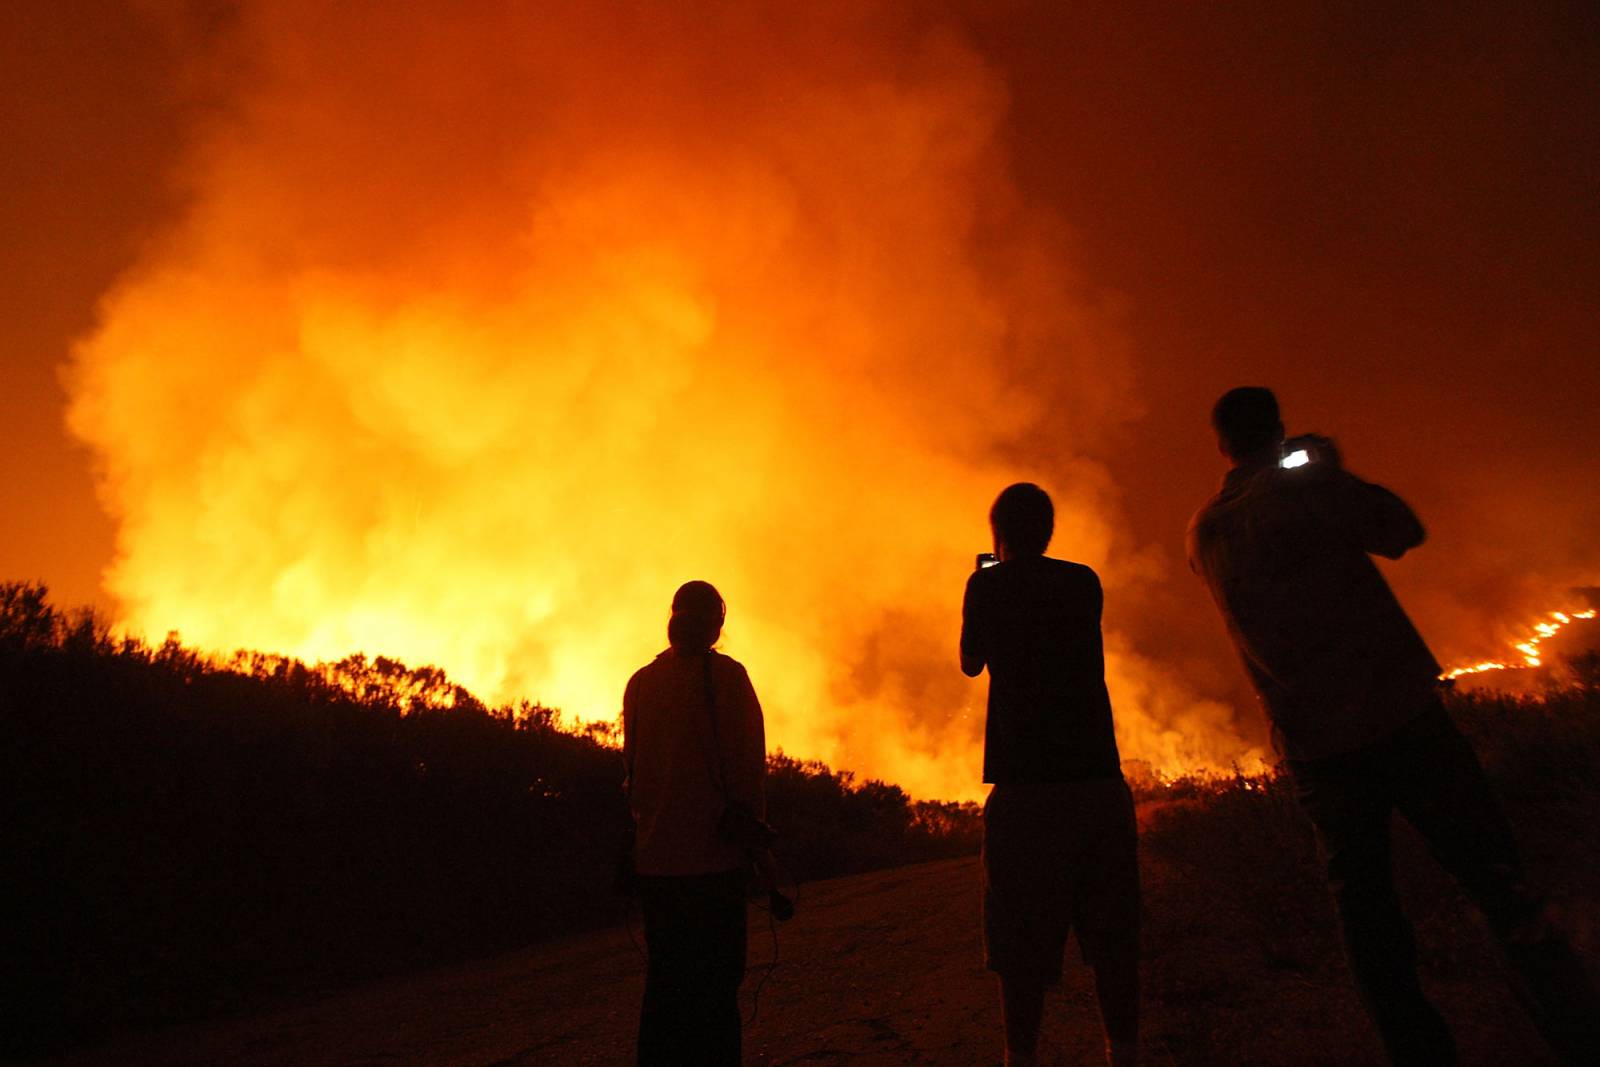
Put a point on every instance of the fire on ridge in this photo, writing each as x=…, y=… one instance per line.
x=1543, y=630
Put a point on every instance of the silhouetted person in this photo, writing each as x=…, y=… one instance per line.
x=1352, y=694
x=1059, y=838
x=695, y=744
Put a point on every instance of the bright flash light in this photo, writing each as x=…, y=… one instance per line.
x=1298, y=458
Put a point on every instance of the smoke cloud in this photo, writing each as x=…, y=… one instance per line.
x=486, y=327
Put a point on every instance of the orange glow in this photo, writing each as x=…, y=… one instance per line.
x=1544, y=629
x=472, y=366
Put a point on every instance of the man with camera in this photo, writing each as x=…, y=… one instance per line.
x=1351, y=691
x=1059, y=839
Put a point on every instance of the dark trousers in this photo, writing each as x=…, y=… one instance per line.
x=694, y=932
x=1429, y=774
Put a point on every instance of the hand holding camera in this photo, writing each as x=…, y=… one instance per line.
x=1311, y=449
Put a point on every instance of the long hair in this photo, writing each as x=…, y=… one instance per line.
x=697, y=615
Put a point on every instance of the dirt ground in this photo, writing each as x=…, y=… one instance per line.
x=877, y=969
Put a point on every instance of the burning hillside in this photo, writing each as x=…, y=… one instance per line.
x=483, y=331
x=1531, y=645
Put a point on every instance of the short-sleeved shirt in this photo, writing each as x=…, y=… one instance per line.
x=682, y=771
x=1035, y=623
x=1331, y=653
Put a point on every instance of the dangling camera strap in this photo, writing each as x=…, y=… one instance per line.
x=779, y=907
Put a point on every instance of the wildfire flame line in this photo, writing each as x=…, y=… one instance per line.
x=1530, y=648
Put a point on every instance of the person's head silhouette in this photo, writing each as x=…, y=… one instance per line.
x=697, y=615
x=1249, y=428
x=1022, y=520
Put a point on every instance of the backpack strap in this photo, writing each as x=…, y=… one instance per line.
x=718, y=777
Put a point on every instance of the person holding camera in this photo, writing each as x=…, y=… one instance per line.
x=695, y=747
x=1352, y=693
x=1059, y=836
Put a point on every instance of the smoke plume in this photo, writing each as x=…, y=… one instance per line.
x=485, y=327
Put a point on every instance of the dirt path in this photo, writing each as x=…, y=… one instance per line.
x=889, y=963
x=882, y=968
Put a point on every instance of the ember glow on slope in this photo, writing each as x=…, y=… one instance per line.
x=1529, y=648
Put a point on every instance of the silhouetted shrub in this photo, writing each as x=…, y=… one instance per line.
x=829, y=825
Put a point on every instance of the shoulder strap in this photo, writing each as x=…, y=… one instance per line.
x=717, y=776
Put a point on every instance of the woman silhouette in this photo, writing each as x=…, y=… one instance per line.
x=695, y=746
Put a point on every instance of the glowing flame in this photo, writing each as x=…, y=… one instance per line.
x=1531, y=657
x=474, y=343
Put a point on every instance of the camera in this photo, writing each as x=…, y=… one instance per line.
x=987, y=559
x=1297, y=452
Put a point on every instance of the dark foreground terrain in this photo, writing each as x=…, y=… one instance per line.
x=884, y=968
x=183, y=838
x=266, y=862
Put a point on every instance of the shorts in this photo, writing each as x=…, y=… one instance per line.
x=1059, y=857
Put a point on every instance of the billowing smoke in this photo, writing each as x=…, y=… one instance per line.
x=486, y=327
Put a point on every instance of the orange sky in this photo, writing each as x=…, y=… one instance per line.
x=1390, y=219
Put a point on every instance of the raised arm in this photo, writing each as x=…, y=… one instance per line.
x=1380, y=521
x=629, y=705
x=974, y=653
